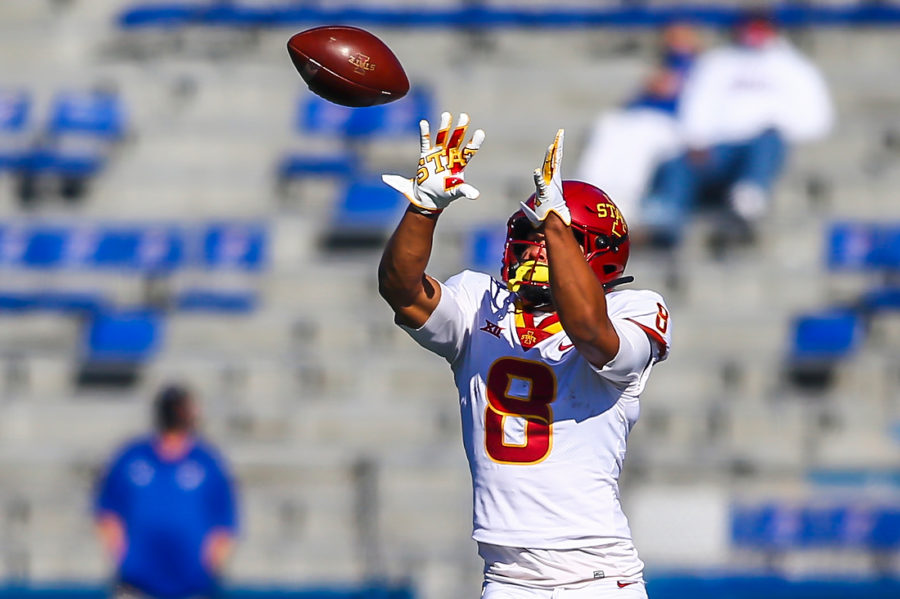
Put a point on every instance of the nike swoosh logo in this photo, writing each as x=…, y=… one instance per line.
x=566, y=347
x=622, y=585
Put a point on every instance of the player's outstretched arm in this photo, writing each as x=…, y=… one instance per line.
x=578, y=296
x=402, y=281
x=439, y=180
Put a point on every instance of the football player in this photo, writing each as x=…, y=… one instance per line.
x=550, y=363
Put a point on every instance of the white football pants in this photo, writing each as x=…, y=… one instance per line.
x=600, y=589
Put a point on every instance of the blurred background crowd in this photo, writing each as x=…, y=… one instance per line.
x=188, y=243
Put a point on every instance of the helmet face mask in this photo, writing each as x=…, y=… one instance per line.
x=597, y=226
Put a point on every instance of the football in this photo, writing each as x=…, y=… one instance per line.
x=348, y=66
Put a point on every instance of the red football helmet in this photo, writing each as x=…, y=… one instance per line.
x=599, y=228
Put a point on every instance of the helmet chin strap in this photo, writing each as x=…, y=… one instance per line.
x=539, y=298
x=619, y=281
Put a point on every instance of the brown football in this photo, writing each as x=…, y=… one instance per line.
x=348, y=66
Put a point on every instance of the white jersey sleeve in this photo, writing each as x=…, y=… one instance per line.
x=449, y=326
x=642, y=321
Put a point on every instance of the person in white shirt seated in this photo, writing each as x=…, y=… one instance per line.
x=743, y=107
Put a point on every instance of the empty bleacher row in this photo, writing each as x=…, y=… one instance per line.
x=835, y=332
x=132, y=247
x=849, y=525
x=42, y=262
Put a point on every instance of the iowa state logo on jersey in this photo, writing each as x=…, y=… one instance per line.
x=527, y=338
x=530, y=334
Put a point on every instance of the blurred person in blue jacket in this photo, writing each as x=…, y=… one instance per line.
x=166, y=508
x=743, y=106
x=627, y=143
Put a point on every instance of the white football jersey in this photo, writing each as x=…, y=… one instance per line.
x=544, y=430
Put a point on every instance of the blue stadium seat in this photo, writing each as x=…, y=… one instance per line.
x=835, y=524
x=354, y=126
x=138, y=248
x=317, y=116
x=163, y=15
x=885, y=531
x=395, y=119
x=15, y=112
x=339, y=165
x=484, y=248
x=168, y=15
x=216, y=300
x=77, y=137
x=770, y=526
x=826, y=336
x=15, y=109
x=873, y=249
x=823, y=526
x=116, y=344
x=129, y=336
x=819, y=342
x=364, y=214
x=146, y=248
x=367, y=205
x=43, y=159
x=40, y=247
x=241, y=246
x=95, y=113
x=880, y=299
x=72, y=302
x=855, y=246
x=78, y=303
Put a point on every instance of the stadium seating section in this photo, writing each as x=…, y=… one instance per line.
x=64, y=148
x=253, y=14
x=211, y=203
x=823, y=338
x=782, y=527
x=133, y=248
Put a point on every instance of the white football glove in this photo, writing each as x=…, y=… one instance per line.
x=548, y=187
x=440, y=176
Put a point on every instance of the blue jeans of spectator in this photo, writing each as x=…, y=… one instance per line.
x=683, y=183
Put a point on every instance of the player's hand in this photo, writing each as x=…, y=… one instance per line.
x=440, y=177
x=548, y=186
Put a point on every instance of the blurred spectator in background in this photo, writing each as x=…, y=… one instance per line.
x=165, y=508
x=626, y=144
x=742, y=106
